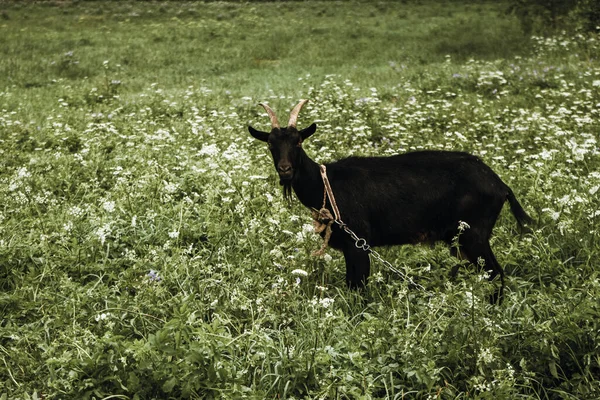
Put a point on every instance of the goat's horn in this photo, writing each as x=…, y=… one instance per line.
x=295, y=112
x=274, y=122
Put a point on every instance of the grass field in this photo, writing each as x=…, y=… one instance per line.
x=146, y=250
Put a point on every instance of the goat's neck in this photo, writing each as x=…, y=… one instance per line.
x=308, y=184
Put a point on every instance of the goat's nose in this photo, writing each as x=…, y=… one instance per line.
x=284, y=168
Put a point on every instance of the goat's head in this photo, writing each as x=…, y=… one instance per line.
x=285, y=143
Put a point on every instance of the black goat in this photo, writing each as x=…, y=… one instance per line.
x=410, y=198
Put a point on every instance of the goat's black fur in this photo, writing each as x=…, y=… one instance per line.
x=409, y=198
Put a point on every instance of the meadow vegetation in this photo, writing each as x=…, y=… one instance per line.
x=146, y=250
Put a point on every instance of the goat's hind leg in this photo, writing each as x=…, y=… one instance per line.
x=475, y=251
x=496, y=270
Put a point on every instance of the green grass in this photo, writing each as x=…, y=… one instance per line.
x=146, y=250
x=247, y=47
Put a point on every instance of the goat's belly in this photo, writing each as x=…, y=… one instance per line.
x=416, y=237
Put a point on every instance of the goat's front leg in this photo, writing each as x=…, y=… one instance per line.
x=358, y=266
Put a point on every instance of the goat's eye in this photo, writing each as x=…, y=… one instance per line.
x=299, y=143
x=270, y=145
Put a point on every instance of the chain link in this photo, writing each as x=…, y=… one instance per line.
x=362, y=244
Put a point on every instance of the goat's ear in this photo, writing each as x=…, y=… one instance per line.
x=260, y=135
x=306, y=132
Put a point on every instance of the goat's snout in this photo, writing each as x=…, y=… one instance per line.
x=285, y=170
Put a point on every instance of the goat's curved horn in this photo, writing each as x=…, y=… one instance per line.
x=274, y=122
x=295, y=112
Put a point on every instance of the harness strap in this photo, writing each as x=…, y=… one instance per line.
x=323, y=218
x=328, y=192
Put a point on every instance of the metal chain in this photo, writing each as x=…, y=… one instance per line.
x=362, y=244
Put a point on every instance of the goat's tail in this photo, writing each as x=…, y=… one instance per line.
x=517, y=210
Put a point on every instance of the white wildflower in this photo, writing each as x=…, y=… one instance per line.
x=276, y=253
x=209, y=150
x=102, y=317
x=23, y=173
x=76, y=211
x=326, y=302
x=109, y=206
x=553, y=214
x=486, y=356
x=170, y=187
x=68, y=226
x=308, y=228
x=469, y=297
x=103, y=232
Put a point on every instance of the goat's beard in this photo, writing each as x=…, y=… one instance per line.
x=287, y=189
